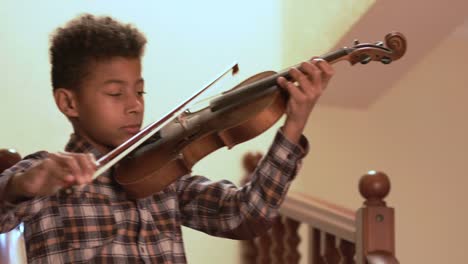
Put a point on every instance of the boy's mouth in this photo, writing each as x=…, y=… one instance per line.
x=132, y=129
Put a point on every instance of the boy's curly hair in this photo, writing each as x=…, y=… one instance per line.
x=86, y=39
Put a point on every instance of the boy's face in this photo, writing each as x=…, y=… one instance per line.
x=110, y=102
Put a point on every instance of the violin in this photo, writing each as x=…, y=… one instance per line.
x=168, y=149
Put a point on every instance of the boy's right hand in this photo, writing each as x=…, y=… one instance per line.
x=58, y=170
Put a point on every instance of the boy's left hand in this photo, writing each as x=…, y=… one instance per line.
x=308, y=83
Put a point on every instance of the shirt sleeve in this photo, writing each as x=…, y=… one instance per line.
x=222, y=209
x=12, y=214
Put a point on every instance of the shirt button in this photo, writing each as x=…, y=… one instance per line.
x=69, y=191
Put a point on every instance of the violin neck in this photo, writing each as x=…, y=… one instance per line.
x=264, y=86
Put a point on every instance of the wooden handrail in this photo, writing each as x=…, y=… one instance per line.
x=323, y=215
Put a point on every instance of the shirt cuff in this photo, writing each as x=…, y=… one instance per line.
x=301, y=149
x=4, y=185
x=286, y=155
x=4, y=180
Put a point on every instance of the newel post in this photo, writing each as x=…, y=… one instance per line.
x=8, y=158
x=375, y=236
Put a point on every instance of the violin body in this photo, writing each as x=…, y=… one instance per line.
x=179, y=145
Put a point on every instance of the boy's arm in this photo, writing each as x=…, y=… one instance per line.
x=14, y=208
x=222, y=209
x=25, y=187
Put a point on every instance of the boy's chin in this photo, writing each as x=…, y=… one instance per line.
x=119, y=140
x=123, y=139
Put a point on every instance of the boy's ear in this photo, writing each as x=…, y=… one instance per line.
x=66, y=102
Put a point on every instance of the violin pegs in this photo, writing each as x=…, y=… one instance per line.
x=365, y=59
x=386, y=60
x=356, y=42
x=379, y=43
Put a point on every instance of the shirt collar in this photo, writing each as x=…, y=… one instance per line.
x=78, y=144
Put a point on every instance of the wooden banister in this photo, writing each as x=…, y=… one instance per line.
x=322, y=215
x=336, y=234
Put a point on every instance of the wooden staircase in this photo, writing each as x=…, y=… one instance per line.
x=336, y=235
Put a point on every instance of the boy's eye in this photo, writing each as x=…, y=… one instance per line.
x=114, y=94
x=141, y=93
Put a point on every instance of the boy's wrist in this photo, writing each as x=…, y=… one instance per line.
x=13, y=190
x=293, y=131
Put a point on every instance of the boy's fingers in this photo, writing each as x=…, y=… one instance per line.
x=74, y=168
x=67, y=166
x=87, y=166
x=290, y=87
x=73, y=164
x=326, y=68
x=301, y=79
x=314, y=77
x=55, y=168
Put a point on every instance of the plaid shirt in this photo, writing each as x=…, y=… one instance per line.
x=97, y=222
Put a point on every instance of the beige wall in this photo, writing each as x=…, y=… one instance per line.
x=417, y=134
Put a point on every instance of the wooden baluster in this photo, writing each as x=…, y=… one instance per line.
x=331, y=254
x=347, y=250
x=278, y=237
x=249, y=251
x=375, y=221
x=292, y=255
x=250, y=248
x=264, y=249
x=314, y=244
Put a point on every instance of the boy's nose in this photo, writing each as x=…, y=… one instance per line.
x=134, y=104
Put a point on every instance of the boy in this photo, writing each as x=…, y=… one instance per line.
x=97, y=85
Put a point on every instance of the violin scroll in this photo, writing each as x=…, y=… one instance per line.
x=397, y=42
x=394, y=49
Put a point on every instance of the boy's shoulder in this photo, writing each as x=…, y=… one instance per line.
x=37, y=155
x=26, y=162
